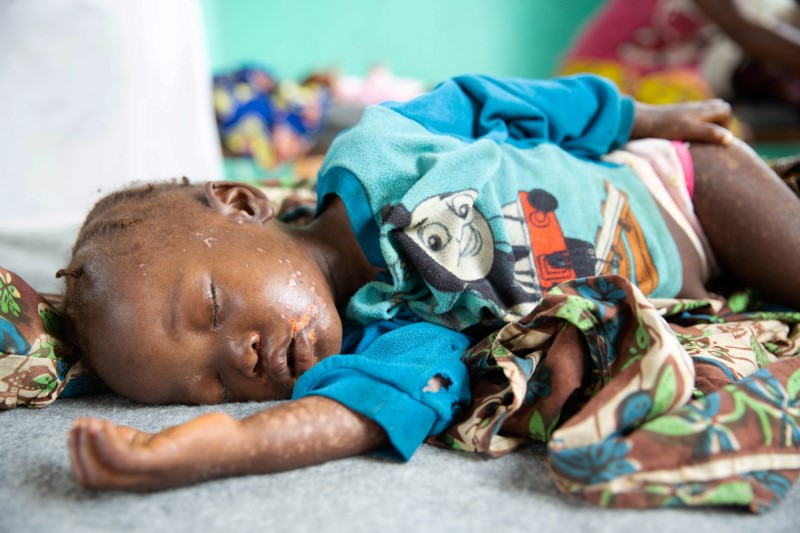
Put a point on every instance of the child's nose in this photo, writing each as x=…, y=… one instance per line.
x=247, y=354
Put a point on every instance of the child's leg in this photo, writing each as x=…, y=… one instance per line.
x=751, y=218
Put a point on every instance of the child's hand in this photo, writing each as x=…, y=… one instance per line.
x=704, y=121
x=105, y=456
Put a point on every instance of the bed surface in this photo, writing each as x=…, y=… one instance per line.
x=438, y=490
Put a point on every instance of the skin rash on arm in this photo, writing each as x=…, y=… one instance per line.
x=295, y=434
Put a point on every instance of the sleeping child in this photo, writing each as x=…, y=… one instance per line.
x=439, y=220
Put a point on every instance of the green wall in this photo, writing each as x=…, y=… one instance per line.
x=425, y=39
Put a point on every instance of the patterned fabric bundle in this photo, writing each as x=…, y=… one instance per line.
x=702, y=408
x=269, y=120
x=34, y=369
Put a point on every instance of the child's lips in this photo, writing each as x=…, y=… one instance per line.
x=275, y=365
x=301, y=355
x=287, y=364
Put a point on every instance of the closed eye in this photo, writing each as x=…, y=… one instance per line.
x=214, y=306
x=224, y=388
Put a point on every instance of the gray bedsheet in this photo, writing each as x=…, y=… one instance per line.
x=438, y=490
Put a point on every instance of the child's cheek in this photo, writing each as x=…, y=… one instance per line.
x=304, y=309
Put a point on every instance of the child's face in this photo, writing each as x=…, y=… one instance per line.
x=232, y=312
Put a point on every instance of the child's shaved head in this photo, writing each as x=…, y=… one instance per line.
x=125, y=210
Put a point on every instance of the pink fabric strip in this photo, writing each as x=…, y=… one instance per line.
x=685, y=157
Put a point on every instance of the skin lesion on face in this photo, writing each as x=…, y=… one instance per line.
x=306, y=324
x=313, y=308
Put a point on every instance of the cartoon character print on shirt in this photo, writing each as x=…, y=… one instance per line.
x=457, y=236
x=451, y=244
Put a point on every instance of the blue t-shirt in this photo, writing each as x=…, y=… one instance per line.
x=477, y=198
x=483, y=194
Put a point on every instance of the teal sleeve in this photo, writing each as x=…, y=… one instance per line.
x=585, y=114
x=408, y=378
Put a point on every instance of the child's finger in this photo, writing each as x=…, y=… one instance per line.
x=719, y=135
x=126, y=464
x=103, y=472
x=111, y=449
x=716, y=111
x=84, y=455
x=721, y=107
x=73, y=438
x=725, y=117
x=117, y=451
x=707, y=132
x=82, y=451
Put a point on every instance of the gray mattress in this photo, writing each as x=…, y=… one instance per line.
x=438, y=490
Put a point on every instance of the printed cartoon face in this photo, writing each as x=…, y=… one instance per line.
x=454, y=234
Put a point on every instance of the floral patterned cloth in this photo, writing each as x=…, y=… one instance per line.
x=643, y=403
x=34, y=370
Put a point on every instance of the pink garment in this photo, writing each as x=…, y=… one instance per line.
x=645, y=35
x=685, y=158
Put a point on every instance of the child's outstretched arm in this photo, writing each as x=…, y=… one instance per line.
x=298, y=433
x=703, y=121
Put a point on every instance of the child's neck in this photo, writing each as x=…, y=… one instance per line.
x=334, y=245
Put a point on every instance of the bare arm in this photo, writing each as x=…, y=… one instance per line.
x=295, y=434
x=780, y=42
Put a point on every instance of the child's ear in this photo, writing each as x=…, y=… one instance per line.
x=239, y=201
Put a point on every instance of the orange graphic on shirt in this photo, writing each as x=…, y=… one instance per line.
x=547, y=240
x=620, y=244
